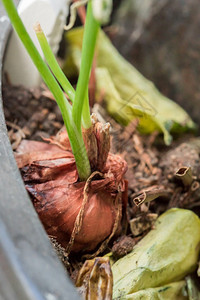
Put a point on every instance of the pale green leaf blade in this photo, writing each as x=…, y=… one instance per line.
x=138, y=97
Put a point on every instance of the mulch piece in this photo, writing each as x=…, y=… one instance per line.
x=33, y=114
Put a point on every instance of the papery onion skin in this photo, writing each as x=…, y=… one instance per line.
x=58, y=197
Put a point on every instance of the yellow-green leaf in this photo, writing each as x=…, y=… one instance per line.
x=166, y=254
x=128, y=93
x=171, y=291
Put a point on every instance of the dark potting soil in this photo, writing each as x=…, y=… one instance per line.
x=152, y=167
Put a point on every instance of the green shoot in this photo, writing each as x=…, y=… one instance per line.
x=88, y=47
x=60, y=76
x=72, y=115
x=53, y=64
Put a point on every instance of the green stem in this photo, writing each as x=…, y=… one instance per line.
x=53, y=64
x=88, y=47
x=75, y=136
x=60, y=76
x=34, y=54
x=86, y=120
x=79, y=151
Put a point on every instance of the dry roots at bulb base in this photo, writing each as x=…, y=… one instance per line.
x=79, y=215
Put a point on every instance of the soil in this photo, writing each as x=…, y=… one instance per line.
x=154, y=185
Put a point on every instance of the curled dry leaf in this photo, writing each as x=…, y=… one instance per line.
x=95, y=280
x=80, y=215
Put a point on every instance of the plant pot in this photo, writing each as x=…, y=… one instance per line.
x=29, y=267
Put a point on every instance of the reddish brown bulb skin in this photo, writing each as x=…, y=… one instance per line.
x=51, y=178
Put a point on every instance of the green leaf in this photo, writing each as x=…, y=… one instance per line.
x=166, y=254
x=128, y=94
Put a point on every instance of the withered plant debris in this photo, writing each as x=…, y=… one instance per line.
x=95, y=280
x=152, y=168
x=142, y=223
